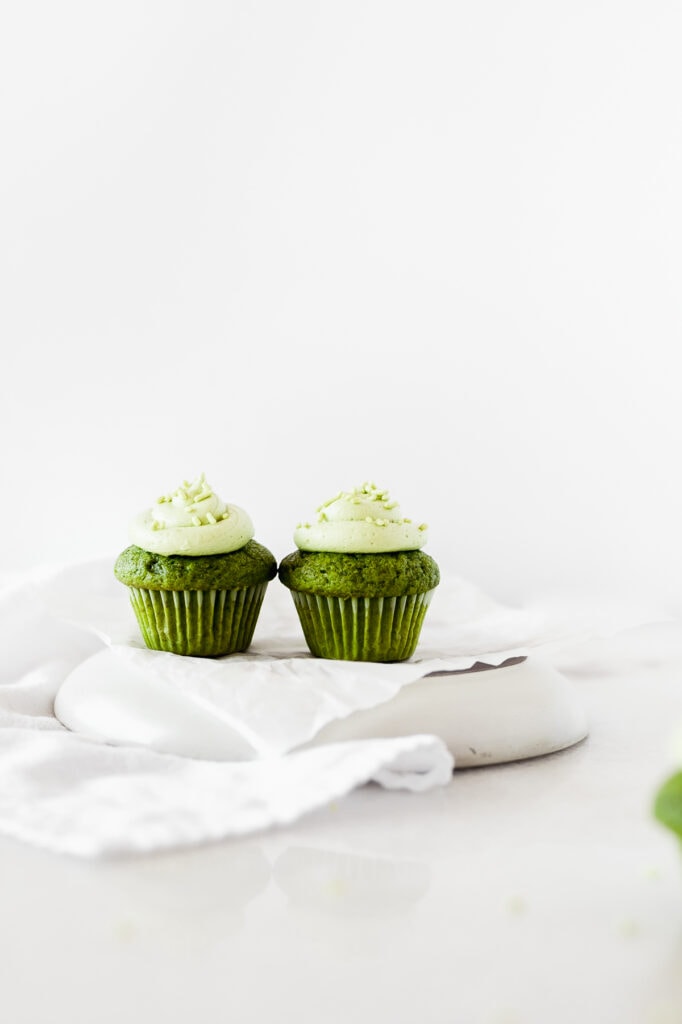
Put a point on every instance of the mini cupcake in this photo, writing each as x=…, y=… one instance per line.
x=668, y=804
x=196, y=577
x=359, y=582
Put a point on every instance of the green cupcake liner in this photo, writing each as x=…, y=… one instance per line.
x=203, y=623
x=362, y=628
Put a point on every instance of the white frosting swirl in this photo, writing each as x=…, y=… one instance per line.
x=191, y=521
x=361, y=521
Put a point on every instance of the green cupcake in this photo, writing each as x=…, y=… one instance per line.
x=359, y=582
x=196, y=577
x=668, y=804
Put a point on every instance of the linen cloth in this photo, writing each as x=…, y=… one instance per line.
x=70, y=793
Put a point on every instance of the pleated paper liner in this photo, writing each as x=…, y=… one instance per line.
x=362, y=628
x=203, y=623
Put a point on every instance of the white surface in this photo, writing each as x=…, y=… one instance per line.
x=520, y=894
x=299, y=244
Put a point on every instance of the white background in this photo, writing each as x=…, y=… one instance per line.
x=301, y=244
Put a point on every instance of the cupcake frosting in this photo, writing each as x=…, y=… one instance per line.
x=362, y=521
x=192, y=520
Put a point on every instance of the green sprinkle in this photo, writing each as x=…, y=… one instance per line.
x=211, y=518
x=330, y=501
x=196, y=521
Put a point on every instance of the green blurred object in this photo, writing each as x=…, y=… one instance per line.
x=668, y=804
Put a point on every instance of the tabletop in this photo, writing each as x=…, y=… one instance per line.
x=541, y=890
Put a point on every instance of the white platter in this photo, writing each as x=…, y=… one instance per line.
x=485, y=715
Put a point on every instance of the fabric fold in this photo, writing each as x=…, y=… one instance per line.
x=108, y=794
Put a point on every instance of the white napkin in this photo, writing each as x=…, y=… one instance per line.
x=72, y=794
